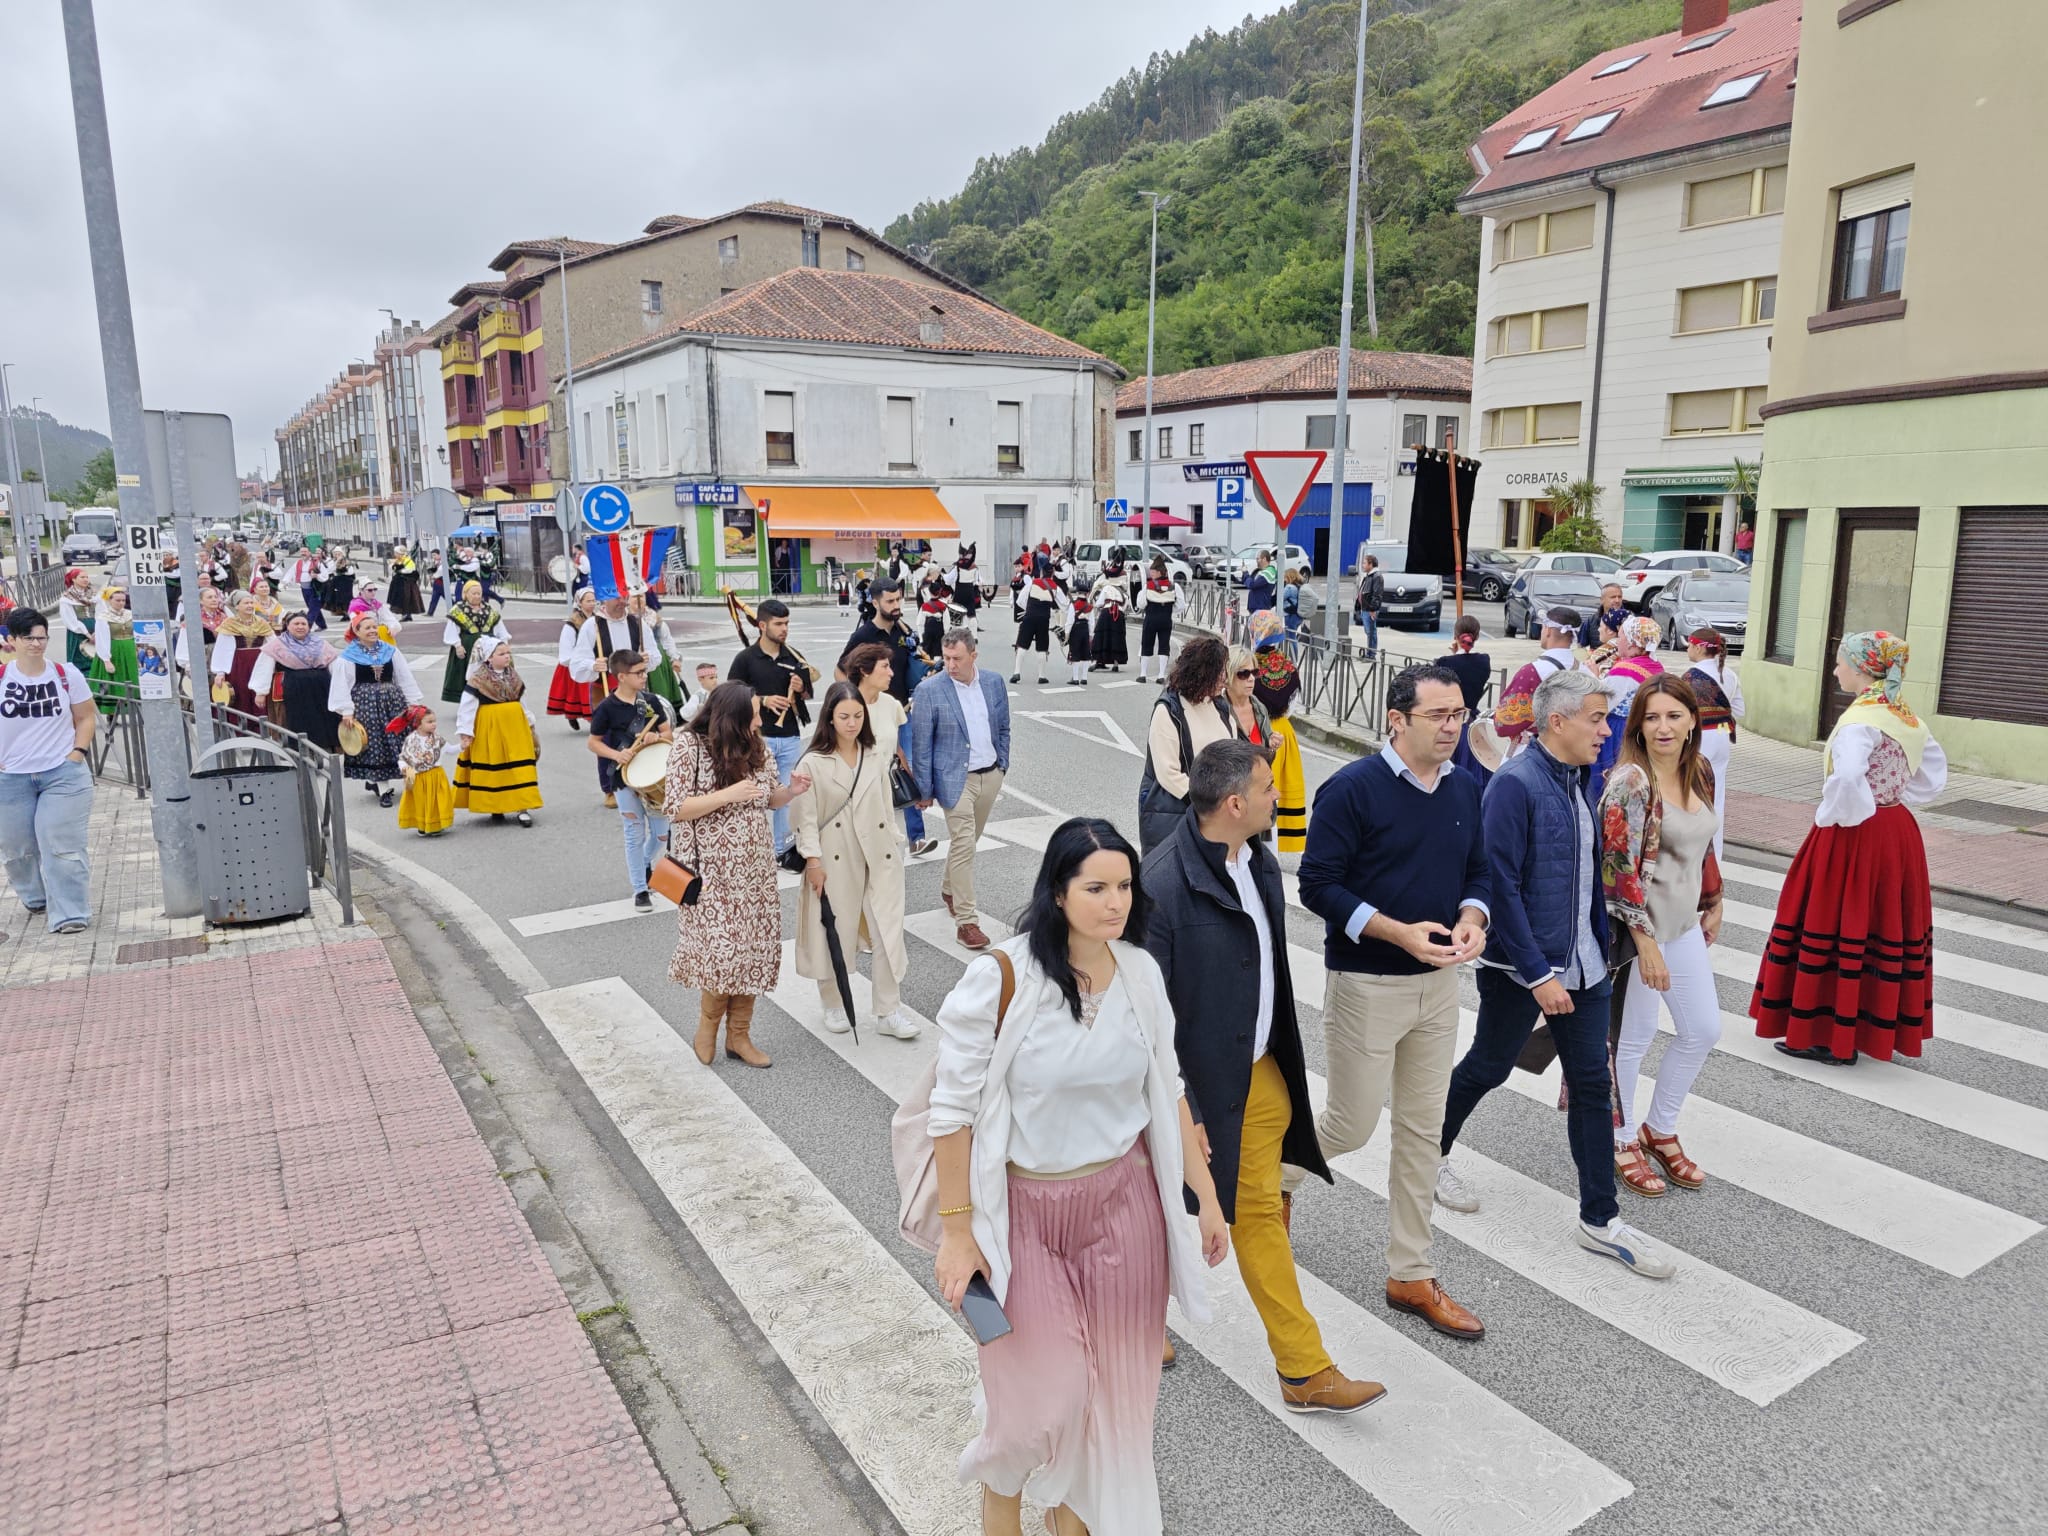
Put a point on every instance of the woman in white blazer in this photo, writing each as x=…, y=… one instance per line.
x=1062, y=1142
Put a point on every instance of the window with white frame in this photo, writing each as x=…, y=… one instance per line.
x=1137, y=444
x=778, y=421
x=729, y=248
x=898, y=432
x=1166, y=442
x=1321, y=432
x=1718, y=412
x=855, y=262
x=1009, y=434
x=634, y=451
x=650, y=297
x=1196, y=435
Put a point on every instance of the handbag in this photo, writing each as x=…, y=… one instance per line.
x=910, y=1141
x=903, y=787
x=670, y=877
x=794, y=861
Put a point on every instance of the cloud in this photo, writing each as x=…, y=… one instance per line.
x=287, y=169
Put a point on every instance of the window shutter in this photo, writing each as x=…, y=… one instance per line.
x=1707, y=410
x=778, y=412
x=1571, y=230
x=1725, y=197
x=1564, y=327
x=1868, y=197
x=1991, y=667
x=1557, y=423
x=1708, y=309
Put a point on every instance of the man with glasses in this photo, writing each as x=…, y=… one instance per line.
x=47, y=719
x=632, y=715
x=1397, y=869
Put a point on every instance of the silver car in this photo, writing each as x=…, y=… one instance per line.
x=1702, y=599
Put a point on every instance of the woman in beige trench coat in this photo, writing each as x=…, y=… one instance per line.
x=846, y=831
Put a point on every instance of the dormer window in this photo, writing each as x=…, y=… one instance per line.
x=1528, y=143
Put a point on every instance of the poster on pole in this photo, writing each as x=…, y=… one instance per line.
x=152, y=658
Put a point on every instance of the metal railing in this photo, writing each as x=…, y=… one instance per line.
x=39, y=589
x=1340, y=684
x=118, y=757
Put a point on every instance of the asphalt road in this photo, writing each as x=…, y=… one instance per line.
x=1852, y=1344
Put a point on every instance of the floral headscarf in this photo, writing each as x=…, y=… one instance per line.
x=1642, y=632
x=1276, y=683
x=1881, y=657
x=365, y=646
x=1267, y=628
x=492, y=686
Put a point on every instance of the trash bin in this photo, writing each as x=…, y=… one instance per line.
x=252, y=834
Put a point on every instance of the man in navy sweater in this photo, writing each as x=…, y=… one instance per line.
x=1550, y=951
x=1396, y=868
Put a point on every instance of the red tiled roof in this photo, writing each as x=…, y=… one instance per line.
x=670, y=224
x=486, y=288
x=866, y=309
x=1304, y=373
x=668, y=221
x=554, y=245
x=1659, y=101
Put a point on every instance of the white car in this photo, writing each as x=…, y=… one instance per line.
x=1292, y=557
x=1584, y=565
x=1089, y=554
x=1645, y=575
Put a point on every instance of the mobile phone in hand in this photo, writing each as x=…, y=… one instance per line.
x=983, y=1312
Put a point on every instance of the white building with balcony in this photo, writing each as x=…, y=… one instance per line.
x=1628, y=279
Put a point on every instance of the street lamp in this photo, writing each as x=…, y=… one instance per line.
x=23, y=563
x=1159, y=201
x=35, y=406
x=1340, y=428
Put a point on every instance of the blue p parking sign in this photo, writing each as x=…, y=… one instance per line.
x=1230, y=496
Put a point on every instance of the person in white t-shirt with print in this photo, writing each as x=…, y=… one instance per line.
x=47, y=719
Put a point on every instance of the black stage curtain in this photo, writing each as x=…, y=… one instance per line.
x=1429, y=523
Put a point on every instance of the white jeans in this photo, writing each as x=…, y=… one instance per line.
x=1717, y=748
x=1695, y=1009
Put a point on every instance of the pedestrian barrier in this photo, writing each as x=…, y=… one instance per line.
x=39, y=589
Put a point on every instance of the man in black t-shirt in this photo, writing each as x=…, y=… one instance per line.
x=780, y=681
x=629, y=715
x=887, y=628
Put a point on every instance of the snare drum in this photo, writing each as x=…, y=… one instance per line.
x=648, y=768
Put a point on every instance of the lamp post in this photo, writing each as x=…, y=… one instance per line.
x=19, y=515
x=1340, y=428
x=35, y=406
x=1159, y=201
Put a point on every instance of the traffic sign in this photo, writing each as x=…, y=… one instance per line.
x=1283, y=476
x=145, y=556
x=605, y=508
x=1116, y=509
x=1230, y=496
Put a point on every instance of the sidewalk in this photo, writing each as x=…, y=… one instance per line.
x=259, y=1275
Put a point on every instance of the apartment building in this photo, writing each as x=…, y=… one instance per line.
x=1204, y=420
x=1632, y=215
x=814, y=415
x=1906, y=442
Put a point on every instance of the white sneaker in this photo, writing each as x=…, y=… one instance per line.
x=1619, y=1240
x=897, y=1027
x=1451, y=1192
x=836, y=1022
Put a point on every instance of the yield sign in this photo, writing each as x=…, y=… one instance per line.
x=1284, y=475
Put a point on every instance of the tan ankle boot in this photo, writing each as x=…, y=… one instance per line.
x=739, y=1025
x=710, y=1009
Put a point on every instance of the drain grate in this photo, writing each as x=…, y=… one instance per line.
x=1991, y=811
x=158, y=949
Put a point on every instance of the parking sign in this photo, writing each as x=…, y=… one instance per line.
x=1230, y=496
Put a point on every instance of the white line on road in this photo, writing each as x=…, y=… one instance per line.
x=1967, y=969
x=2015, y=934
x=1058, y=718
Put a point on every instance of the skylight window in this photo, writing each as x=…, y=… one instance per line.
x=1620, y=66
x=1592, y=127
x=1530, y=142
x=1701, y=42
x=1739, y=89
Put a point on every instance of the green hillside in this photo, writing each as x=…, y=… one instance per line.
x=67, y=449
x=1248, y=130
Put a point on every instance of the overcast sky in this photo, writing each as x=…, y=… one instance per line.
x=287, y=167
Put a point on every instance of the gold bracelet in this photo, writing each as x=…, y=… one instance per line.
x=958, y=1210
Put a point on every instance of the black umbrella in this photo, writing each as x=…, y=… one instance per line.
x=839, y=973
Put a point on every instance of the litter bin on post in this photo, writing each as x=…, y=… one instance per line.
x=252, y=834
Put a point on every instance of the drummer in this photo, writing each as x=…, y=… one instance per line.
x=630, y=717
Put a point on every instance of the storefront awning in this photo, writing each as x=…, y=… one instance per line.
x=853, y=512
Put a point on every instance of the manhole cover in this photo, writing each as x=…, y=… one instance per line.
x=159, y=949
x=1991, y=811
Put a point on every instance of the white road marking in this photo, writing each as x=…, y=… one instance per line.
x=1738, y=1335
x=885, y=1365
x=1058, y=718
x=1412, y=1457
x=1036, y=804
x=1967, y=969
x=2015, y=934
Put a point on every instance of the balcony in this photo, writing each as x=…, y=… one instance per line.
x=498, y=325
x=463, y=408
x=458, y=350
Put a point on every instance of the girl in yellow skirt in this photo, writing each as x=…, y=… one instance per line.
x=429, y=804
x=497, y=762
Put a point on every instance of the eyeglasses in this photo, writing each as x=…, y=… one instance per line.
x=31, y=639
x=1248, y=672
x=1438, y=717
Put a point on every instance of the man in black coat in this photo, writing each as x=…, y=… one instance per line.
x=1219, y=932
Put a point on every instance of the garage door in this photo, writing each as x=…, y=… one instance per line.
x=1995, y=663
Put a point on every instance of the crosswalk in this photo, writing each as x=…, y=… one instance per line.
x=844, y=1304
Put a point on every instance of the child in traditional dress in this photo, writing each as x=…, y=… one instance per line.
x=428, y=806
x=1079, y=655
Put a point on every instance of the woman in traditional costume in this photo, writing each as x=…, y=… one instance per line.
x=405, y=582
x=1111, y=599
x=566, y=697
x=371, y=684
x=115, y=673
x=469, y=620
x=497, y=752
x=75, y=608
x=264, y=596
x=664, y=660
x=1850, y=962
x=291, y=679
x=232, y=660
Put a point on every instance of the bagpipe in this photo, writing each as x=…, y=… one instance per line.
x=744, y=618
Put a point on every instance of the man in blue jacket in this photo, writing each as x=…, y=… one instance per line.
x=959, y=752
x=1548, y=956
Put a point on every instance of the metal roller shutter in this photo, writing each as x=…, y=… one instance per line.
x=1995, y=660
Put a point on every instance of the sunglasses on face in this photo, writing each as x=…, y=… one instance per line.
x=1248, y=672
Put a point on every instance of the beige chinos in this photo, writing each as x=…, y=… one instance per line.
x=964, y=820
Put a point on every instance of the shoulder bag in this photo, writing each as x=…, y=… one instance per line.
x=670, y=877
x=795, y=862
x=910, y=1141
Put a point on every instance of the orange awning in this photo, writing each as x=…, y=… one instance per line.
x=853, y=512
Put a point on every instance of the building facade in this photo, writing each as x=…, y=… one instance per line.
x=813, y=416
x=1632, y=215
x=1204, y=421
x=1906, y=443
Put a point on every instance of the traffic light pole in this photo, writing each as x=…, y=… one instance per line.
x=163, y=724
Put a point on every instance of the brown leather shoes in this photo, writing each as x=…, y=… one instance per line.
x=1329, y=1391
x=971, y=936
x=1428, y=1301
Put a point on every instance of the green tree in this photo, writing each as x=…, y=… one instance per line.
x=95, y=486
x=1580, y=530
x=1442, y=322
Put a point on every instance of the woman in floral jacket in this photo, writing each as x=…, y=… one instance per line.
x=1663, y=890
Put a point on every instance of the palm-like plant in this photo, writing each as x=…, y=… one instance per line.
x=1579, y=530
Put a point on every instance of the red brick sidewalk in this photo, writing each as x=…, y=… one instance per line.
x=259, y=1275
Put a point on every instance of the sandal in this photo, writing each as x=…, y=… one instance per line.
x=1670, y=1156
x=1633, y=1168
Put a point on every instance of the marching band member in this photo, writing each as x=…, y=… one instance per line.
x=1078, y=650
x=1158, y=602
x=1110, y=597
x=611, y=629
x=632, y=716
x=567, y=697
x=1040, y=596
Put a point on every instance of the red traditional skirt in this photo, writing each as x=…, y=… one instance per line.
x=567, y=697
x=1850, y=962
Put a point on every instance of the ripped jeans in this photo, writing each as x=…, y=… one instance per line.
x=646, y=836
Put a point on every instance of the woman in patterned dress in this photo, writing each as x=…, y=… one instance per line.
x=471, y=618
x=371, y=684
x=720, y=785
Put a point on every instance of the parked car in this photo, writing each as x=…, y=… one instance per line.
x=1696, y=599
x=1203, y=559
x=94, y=536
x=1592, y=565
x=1645, y=575
x=1292, y=557
x=1089, y=553
x=1410, y=599
x=1488, y=572
x=1532, y=591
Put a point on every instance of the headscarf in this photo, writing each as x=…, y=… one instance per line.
x=1710, y=640
x=375, y=651
x=1881, y=657
x=493, y=687
x=477, y=613
x=1276, y=683
x=1642, y=631
x=287, y=650
x=1267, y=628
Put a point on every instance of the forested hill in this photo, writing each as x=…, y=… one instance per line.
x=1248, y=130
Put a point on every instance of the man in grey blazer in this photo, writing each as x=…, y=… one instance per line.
x=959, y=750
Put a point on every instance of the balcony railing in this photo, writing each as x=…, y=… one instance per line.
x=459, y=348
x=497, y=323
